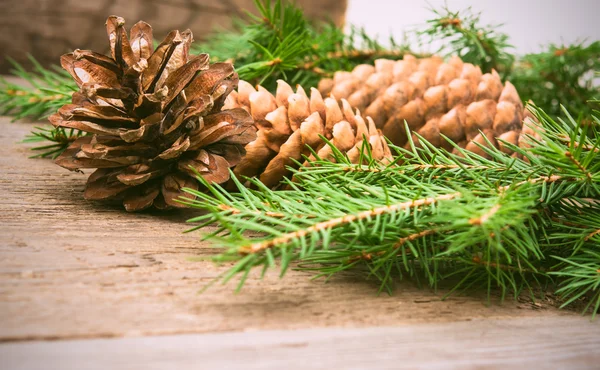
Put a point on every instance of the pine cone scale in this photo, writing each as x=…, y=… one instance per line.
x=207, y=79
x=103, y=184
x=290, y=124
x=435, y=98
x=141, y=40
x=58, y=121
x=158, y=60
x=179, y=79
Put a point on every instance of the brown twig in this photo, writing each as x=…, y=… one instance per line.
x=546, y=179
x=579, y=165
x=453, y=22
x=485, y=217
x=275, y=61
x=329, y=224
x=478, y=261
x=355, y=168
x=412, y=237
x=567, y=139
x=364, y=256
x=592, y=234
x=235, y=211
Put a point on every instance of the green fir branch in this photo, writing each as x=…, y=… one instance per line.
x=462, y=34
x=495, y=223
x=562, y=73
x=48, y=89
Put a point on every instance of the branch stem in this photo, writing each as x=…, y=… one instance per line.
x=286, y=238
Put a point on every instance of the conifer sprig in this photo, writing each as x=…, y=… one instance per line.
x=54, y=140
x=562, y=73
x=497, y=222
x=48, y=90
x=462, y=34
x=44, y=91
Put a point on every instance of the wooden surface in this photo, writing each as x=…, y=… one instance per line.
x=532, y=343
x=71, y=269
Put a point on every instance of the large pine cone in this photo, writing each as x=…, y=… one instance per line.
x=156, y=117
x=453, y=98
x=289, y=123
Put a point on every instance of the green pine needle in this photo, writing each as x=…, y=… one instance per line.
x=55, y=140
x=463, y=35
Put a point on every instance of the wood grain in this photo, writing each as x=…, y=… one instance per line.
x=74, y=269
x=532, y=343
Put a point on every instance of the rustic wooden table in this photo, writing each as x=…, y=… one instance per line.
x=80, y=272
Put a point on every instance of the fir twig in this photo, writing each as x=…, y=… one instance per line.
x=48, y=90
x=463, y=35
x=494, y=223
x=54, y=140
x=562, y=73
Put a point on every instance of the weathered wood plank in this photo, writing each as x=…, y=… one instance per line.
x=535, y=343
x=72, y=269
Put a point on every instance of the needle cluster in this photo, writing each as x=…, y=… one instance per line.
x=462, y=34
x=506, y=224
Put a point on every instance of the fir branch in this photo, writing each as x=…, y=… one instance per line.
x=580, y=275
x=339, y=221
x=463, y=35
x=562, y=73
x=415, y=216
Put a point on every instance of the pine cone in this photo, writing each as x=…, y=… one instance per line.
x=156, y=116
x=288, y=123
x=453, y=98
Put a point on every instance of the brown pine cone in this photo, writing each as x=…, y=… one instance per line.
x=156, y=117
x=289, y=122
x=434, y=98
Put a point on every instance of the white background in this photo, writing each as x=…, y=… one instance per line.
x=529, y=23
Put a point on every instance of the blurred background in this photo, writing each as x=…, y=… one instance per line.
x=48, y=28
x=530, y=24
